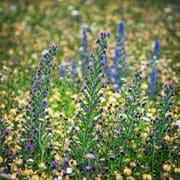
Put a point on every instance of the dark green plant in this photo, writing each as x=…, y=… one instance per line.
x=82, y=140
x=157, y=150
x=37, y=132
x=129, y=125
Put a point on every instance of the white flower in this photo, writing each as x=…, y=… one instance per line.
x=58, y=178
x=70, y=7
x=69, y=170
x=13, y=8
x=34, y=56
x=81, y=49
x=177, y=123
x=90, y=156
x=168, y=10
x=30, y=160
x=45, y=52
x=75, y=12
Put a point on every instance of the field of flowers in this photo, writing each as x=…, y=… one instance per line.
x=89, y=89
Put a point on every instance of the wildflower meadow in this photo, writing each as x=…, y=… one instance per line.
x=89, y=90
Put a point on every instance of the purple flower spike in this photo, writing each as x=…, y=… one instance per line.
x=88, y=168
x=54, y=164
x=121, y=28
x=157, y=46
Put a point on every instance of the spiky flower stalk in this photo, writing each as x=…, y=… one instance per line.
x=83, y=138
x=126, y=134
x=74, y=73
x=120, y=57
x=37, y=133
x=4, y=132
x=107, y=69
x=157, y=150
x=153, y=75
x=84, y=55
x=62, y=70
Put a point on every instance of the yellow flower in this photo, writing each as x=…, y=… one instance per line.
x=42, y=165
x=118, y=176
x=55, y=172
x=98, y=177
x=2, y=106
x=44, y=176
x=72, y=162
x=127, y=171
x=28, y=172
x=35, y=177
x=144, y=86
x=18, y=162
x=14, y=176
x=57, y=157
x=130, y=178
x=127, y=160
x=132, y=164
x=147, y=177
x=167, y=138
x=1, y=159
x=166, y=167
x=144, y=135
x=177, y=170
x=153, y=110
x=11, y=52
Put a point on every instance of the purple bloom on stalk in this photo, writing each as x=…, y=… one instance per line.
x=84, y=55
x=121, y=28
x=120, y=57
x=62, y=70
x=1, y=121
x=88, y=168
x=85, y=40
x=74, y=72
x=54, y=164
x=153, y=75
x=152, y=88
x=90, y=111
x=156, y=50
x=29, y=146
x=157, y=46
x=37, y=131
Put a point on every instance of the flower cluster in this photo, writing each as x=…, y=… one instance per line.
x=115, y=73
x=153, y=75
x=120, y=57
x=103, y=134
x=84, y=55
x=37, y=133
x=82, y=140
x=157, y=150
x=4, y=132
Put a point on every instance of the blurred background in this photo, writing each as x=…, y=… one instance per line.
x=28, y=26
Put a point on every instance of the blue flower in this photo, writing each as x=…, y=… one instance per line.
x=153, y=75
